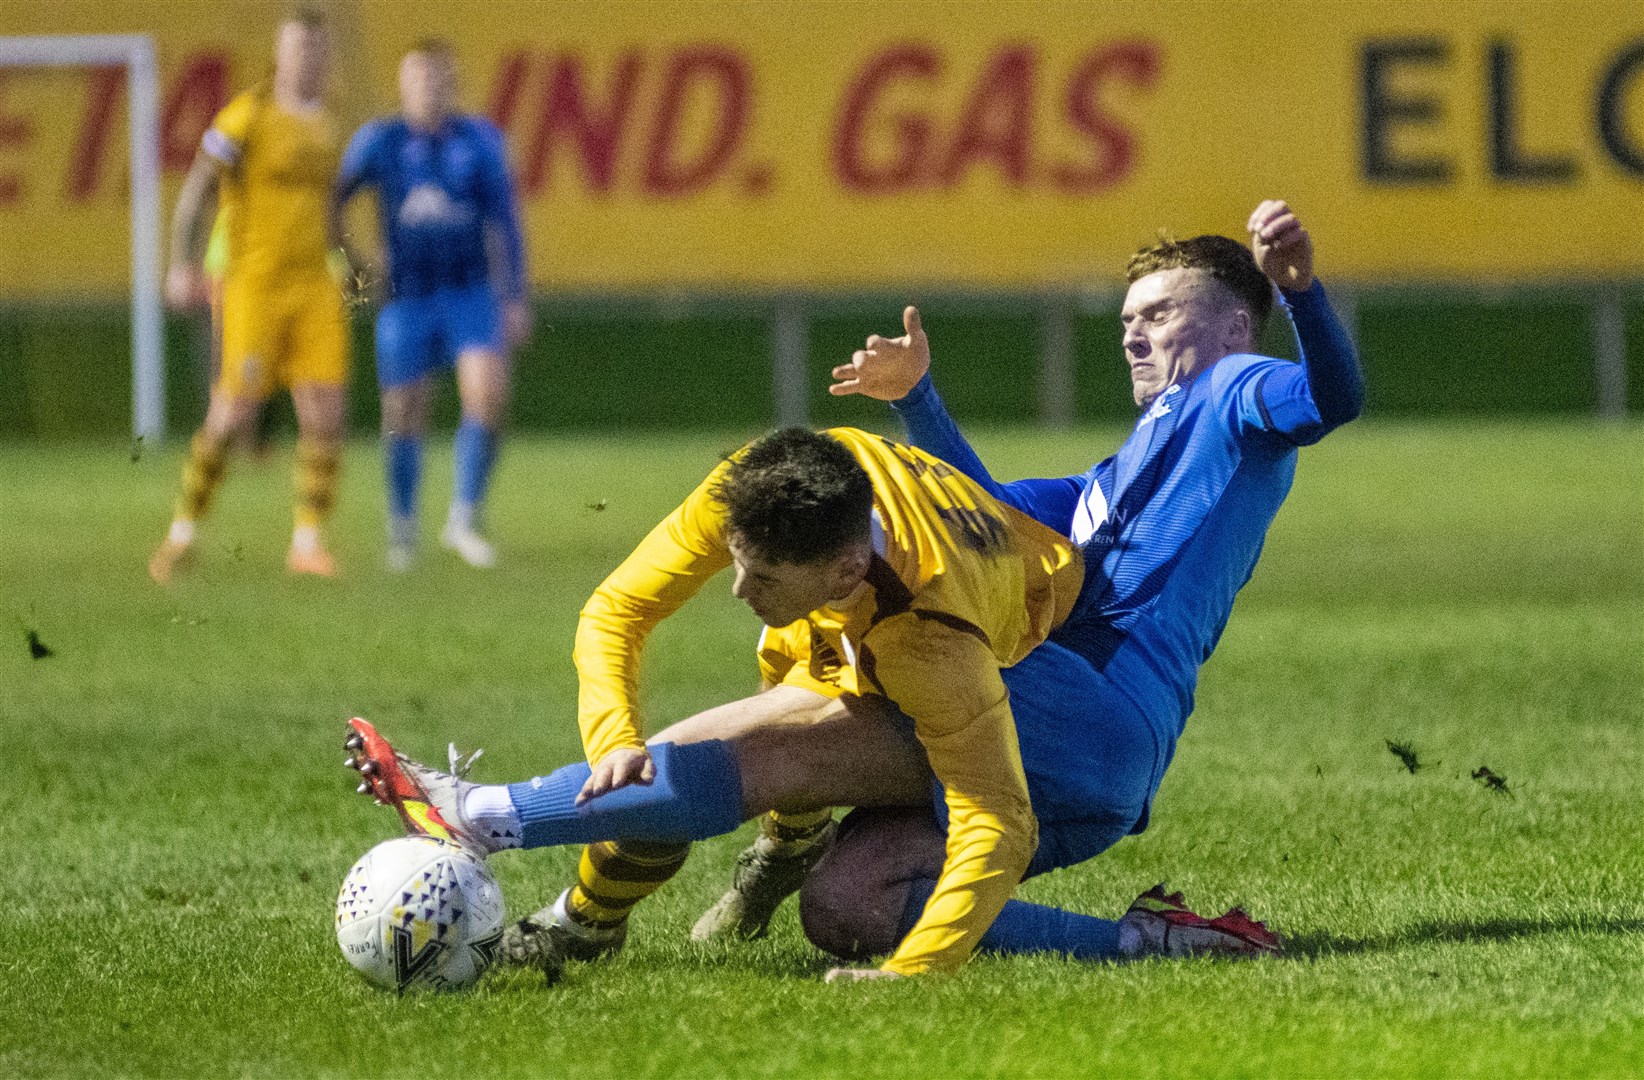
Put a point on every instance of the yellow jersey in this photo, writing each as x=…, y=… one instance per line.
x=276, y=173
x=959, y=586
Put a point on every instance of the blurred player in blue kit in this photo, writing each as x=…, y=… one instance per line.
x=456, y=289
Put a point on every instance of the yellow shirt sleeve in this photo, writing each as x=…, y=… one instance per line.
x=664, y=571
x=948, y=681
x=225, y=139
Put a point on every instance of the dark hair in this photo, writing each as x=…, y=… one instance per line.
x=435, y=48
x=796, y=496
x=309, y=18
x=1226, y=260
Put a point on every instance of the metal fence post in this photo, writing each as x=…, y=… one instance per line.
x=1345, y=299
x=1057, y=380
x=789, y=359
x=1610, y=352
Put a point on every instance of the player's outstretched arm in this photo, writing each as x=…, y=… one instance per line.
x=897, y=370
x=505, y=239
x=196, y=206
x=667, y=568
x=1327, y=389
x=948, y=681
x=359, y=272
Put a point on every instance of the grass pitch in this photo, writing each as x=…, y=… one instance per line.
x=177, y=818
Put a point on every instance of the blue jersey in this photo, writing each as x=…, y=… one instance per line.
x=1171, y=526
x=437, y=192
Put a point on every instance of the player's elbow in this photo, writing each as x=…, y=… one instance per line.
x=1339, y=400
x=1351, y=402
x=596, y=623
x=1012, y=837
x=1018, y=840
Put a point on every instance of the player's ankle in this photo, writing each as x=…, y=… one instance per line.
x=1131, y=942
x=461, y=516
x=402, y=530
x=305, y=539
x=181, y=533
x=490, y=815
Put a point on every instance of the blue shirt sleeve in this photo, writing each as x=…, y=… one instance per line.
x=1306, y=401
x=358, y=161
x=501, y=209
x=1049, y=501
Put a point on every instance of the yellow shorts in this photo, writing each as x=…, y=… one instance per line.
x=785, y=660
x=281, y=333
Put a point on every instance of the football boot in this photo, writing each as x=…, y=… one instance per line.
x=761, y=882
x=553, y=935
x=428, y=801
x=1160, y=924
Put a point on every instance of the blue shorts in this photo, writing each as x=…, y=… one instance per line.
x=420, y=335
x=1092, y=758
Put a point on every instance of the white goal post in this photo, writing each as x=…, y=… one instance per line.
x=135, y=53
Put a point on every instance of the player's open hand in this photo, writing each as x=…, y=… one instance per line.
x=618, y=769
x=516, y=323
x=845, y=974
x=1282, y=247
x=886, y=368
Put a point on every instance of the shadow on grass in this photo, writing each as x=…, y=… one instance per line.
x=1313, y=946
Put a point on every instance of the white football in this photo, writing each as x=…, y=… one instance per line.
x=419, y=912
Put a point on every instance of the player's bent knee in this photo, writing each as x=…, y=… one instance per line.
x=847, y=917
x=853, y=903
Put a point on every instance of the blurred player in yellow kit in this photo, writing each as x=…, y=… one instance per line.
x=270, y=157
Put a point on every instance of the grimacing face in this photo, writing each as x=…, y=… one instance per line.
x=302, y=58
x=782, y=593
x=428, y=88
x=1176, y=323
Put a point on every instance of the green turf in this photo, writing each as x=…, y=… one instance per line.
x=177, y=819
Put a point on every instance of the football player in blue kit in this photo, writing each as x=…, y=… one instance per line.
x=1171, y=527
x=456, y=289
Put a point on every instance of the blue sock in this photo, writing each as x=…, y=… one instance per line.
x=697, y=793
x=403, y=457
x=1030, y=928
x=476, y=453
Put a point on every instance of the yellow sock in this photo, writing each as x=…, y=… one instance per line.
x=315, y=479
x=787, y=835
x=203, y=472
x=615, y=875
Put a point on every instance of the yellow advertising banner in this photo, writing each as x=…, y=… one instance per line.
x=828, y=145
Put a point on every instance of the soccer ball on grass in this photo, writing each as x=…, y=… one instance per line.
x=419, y=912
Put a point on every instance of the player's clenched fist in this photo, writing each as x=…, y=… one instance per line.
x=1282, y=247
x=886, y=368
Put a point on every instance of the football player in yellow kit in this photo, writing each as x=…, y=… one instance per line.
x=914, y=586
x=269, y=157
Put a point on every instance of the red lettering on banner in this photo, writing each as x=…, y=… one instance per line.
x=1112, y=144
x=505, y=94
x=994, y=125
x=198, y=94
x=85, y=171
x=567, y=113
x=16, y=133
x=997, y=123
x=726, y=73
x=913, y=130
